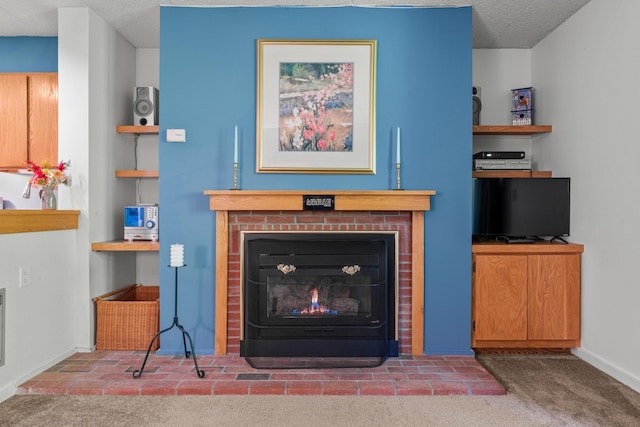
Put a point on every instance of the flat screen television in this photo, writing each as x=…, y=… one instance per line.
x=521, y=208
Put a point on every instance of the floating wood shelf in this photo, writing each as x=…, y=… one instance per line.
x=511, y=174
x=137, y=174
x=137, y=129
x=511, y=130
x=125, y=246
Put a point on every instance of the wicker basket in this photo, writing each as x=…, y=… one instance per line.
x=128, y=319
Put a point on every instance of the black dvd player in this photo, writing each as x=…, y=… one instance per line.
x=499, y=155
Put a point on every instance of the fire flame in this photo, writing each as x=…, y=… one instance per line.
x=315, y=307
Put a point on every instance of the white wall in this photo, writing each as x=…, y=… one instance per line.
x=496, y=72
x=40, y=318
x=148, y=74
x=586, y=75
x=11, y=187
x=54, y=317
x=96, y=70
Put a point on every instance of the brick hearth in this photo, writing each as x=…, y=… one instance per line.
x=109, y=373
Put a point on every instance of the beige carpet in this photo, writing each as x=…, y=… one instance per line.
x=566, y=386
x=269, y=411
x=542, y=391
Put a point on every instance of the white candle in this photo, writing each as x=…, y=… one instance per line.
x=398, y=146
x=235, y=147
x=177, y=255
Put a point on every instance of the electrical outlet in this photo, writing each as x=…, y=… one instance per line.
x=25, y=276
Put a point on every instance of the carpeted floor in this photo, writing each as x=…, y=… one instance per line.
x=269, y=411
x=542, y=390
x=566, y=387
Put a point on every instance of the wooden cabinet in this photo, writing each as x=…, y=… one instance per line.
x=43, y=117
x=13, y=120
x=28, y=118
x=499, y=298
x=526, y=295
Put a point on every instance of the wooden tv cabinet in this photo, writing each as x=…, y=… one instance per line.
x=525, y=296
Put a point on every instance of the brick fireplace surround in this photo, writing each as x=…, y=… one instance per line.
x=268, y=211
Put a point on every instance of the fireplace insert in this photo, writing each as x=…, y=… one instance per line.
x=319, y=295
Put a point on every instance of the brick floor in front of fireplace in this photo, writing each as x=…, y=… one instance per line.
x=110, y=373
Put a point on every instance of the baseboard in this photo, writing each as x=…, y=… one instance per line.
x=10, y=389
x=7, y=392
x=605, y=366
x=522, y=350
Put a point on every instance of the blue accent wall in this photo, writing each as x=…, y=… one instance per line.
x=208, y=85
x=28, y=54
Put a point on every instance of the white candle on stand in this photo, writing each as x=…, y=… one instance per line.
x=235, y=146
x=398, y=146
x=177, y=255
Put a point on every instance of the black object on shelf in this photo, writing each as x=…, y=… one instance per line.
x=185, y=335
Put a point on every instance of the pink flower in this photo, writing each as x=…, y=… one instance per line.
x=46, y=175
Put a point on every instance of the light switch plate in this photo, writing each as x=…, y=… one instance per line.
x=176, y=135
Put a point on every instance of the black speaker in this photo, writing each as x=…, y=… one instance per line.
x=145, y=106
x=477, y=105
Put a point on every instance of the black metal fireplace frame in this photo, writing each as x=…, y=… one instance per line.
x=367, y=336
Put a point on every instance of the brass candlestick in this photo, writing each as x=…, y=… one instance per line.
x=398, y=175
x=235, y=175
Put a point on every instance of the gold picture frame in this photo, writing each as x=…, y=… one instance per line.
x=316, y=106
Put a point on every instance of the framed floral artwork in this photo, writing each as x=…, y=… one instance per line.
x=316, y=106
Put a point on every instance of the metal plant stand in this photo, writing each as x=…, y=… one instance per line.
x=185, y=335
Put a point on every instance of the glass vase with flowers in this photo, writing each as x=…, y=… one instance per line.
x=48, y=177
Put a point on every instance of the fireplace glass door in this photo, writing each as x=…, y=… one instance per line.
x=318, y=294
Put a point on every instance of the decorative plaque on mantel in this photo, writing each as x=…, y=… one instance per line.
x=318, y=203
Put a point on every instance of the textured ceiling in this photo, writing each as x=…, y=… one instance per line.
x=496, y=23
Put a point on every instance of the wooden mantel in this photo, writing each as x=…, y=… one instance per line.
x=346, y=200
x=415, y=201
